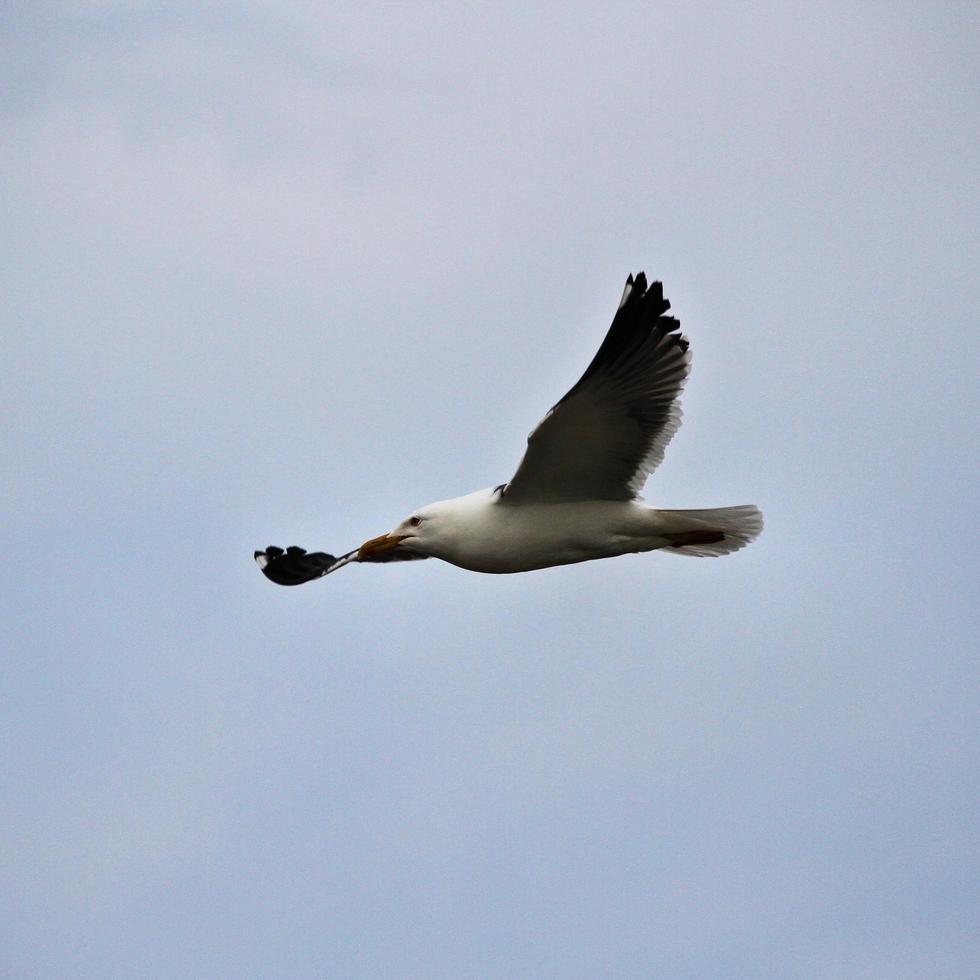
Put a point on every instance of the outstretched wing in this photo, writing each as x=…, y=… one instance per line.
x=603, y=439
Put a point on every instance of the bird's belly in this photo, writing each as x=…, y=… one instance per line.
x=522, y=539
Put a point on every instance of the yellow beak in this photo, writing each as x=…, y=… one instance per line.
x=373, y=549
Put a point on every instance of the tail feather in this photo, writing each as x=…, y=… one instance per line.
x=710, y=533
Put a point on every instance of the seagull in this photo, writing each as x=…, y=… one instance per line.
x=575, y=496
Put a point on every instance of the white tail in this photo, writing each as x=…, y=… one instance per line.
x=709, y=533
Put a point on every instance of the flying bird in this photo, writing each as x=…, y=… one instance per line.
x=575, y=495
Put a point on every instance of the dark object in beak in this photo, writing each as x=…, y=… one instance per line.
x=293, y=566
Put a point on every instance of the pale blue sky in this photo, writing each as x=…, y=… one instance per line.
x=278, y=275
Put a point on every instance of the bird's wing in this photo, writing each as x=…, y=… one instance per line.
x=603, y=439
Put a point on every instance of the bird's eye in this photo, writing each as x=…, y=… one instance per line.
x=415, y=521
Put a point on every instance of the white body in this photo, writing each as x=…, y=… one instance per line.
x=483, y=533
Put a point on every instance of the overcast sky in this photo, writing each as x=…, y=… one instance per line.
x=277, y=275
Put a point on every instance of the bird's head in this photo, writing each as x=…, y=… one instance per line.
x=415, y=537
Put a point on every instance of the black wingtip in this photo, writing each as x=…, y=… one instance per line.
x=654, y=299
x=292, y=566
x=639, y=320
x=651, y=296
